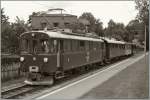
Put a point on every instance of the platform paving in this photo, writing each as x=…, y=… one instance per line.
x=131, y=83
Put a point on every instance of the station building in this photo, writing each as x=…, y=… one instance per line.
x=54, y=18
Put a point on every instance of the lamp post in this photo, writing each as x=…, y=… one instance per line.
x=145, y=40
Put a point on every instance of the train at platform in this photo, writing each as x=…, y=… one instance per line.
x=47, y=56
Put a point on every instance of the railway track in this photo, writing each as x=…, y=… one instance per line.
x=19, y=91
x=15, y=91
x=23, y=90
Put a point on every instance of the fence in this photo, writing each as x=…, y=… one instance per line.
x=10, y=68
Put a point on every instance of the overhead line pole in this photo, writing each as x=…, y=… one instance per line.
x=145, y=40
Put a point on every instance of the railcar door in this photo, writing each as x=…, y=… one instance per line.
x=60, y=54
x=103, y=47
x=61, y=42
x=107, y=50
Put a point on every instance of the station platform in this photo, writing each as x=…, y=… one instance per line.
x=131, y=83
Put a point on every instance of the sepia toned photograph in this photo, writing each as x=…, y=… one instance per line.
x=75, y=50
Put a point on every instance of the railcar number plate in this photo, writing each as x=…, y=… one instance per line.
x=33, y=68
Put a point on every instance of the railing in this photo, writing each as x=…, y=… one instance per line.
x=10, y=67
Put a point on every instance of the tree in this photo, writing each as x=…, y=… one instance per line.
x=4, y=18
x=143, y=15
x=135, y=29
x=116, y=30
x=95, y=24
x=109, y=29
x=10, y=34
x=77, y=27
x=142, y=7
x=99, y=28
x=5, y=31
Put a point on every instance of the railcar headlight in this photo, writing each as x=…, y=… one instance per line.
x=45, y=60
x=21, y=59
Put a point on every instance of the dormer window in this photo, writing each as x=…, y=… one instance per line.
x=66, y=24
x=44, y=25
x=55, y=24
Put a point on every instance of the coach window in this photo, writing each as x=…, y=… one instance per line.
x=126, y=47
x=101, y=45
x=114, y=45
x=67, y=45
x=74, y=45
x=61, y=45
x=119, y=46
x=53, y=45
x=97, y=45
x=82, y=45
x=91, y=45
x=44, y=46
x=87, y=45
x=123, y=46
x=94, y=45
x=111, y=45
x=25, y=46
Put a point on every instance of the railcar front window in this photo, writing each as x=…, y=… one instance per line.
x=44, y=44
x=34, y=45
x=24, y=46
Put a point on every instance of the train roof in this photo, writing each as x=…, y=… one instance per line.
x=112, y=40
x=63, y=35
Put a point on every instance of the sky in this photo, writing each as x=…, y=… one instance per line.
x=119, y=11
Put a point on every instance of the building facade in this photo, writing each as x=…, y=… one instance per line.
x=53, y=20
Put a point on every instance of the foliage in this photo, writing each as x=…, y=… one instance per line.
x=95, y=24
x=135, y=30
x=4, y=18
x=142, y=7
x=10, y=34
x=143, y=15
x=77, y=27
x=116, y=30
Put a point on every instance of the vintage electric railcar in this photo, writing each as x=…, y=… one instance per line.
x=47, y=55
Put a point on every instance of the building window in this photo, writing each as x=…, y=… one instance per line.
x=55, y=24
x=66, y=24
x=43, y=25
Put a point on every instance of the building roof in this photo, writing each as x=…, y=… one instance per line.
x=54, y=12
x=53, y=15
